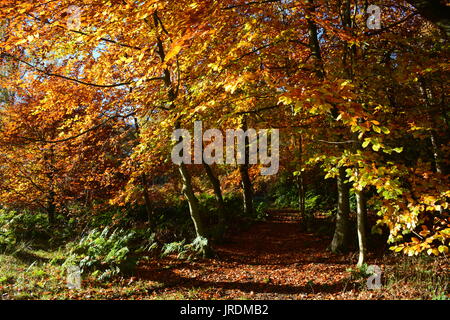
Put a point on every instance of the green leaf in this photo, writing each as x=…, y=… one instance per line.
x=385, y=130
x=366, y=143
x=376, y=147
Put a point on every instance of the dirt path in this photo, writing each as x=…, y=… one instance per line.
x=271, y=260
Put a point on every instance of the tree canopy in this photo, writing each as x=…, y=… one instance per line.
x=93, y=94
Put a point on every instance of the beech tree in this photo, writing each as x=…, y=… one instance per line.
x=311, y=68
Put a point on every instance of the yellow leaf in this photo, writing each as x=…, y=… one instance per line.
x=443, y=249
x=174, y=50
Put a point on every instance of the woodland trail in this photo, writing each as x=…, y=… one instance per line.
x=270, y=260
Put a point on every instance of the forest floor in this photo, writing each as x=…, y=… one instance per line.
x=269, y=260
x=274, y=260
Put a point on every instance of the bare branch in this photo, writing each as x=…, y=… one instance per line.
x=50, y=74
x=79, y=134
x=375, y=32
x=250, y=3
x=336, y=142
x=86, y=34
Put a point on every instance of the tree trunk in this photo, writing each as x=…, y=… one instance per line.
x=305, y=219
x=341, y=234
x=245, y=178
x=436, y=152
x=314, y=44
x=185, y=176
x=144, y=181
x=219, y=198
x=148, y=203
x=194, y=209
x=188, y=192
x=361, y=210
x=427, y=95
x=49, y=159
x=247, y=190
x=361, y=214
x=51, y=208
x=301, y=199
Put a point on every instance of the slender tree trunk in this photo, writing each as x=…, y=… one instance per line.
x=301, y=200
x=361, y=215
x=185, y=176
x=305, y=219
x=341, y=234
x=194, y=209
x=341, y=243
x=436, y=152
x=51, y=208
x=361, y=210
x=433, y=135
x=219, y=198
x=247, y=190
x=188, y=192
x=148, y=203
x=49, y=158
x=314, y=43
x=144, y=182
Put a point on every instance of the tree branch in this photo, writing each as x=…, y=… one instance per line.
x=374, y=32
x=86, y=34
x=79, y=134
x=249, y=4
x=51, y=74
x=435, y=11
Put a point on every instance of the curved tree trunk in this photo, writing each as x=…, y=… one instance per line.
x=194, y=210
x=185, y=176
x=188, y=192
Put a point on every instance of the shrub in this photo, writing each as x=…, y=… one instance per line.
x=25, y=225
x=361, y=272
x=286, y=197
x=261, y=210
x=188, y=251
x=7, y=237
x=107, y=254
x=312, y=202
x=233, y=204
